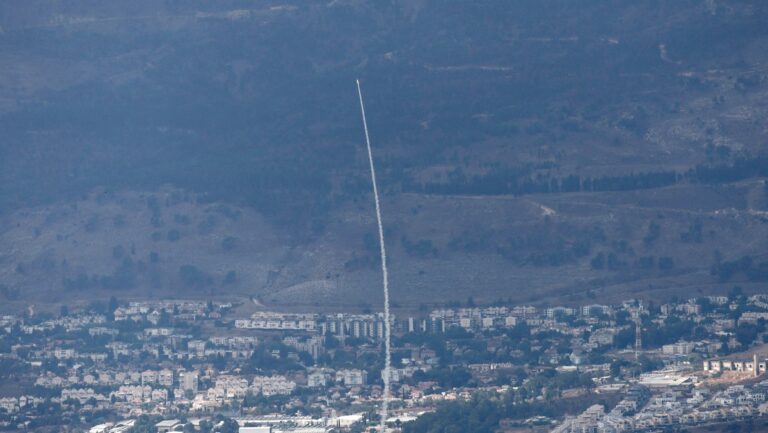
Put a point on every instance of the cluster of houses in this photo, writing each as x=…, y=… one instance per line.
x=264, y=424
x=169, y=390
x=753, y=366
x=672, y=407
x=171, y=357
x=671, y=399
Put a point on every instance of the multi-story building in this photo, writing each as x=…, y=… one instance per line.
x=189, y=381
x=352, y=377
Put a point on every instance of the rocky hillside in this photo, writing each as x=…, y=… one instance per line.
x=528, y=150
x=571, y=248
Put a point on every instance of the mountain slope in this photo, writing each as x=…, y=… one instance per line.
x=526, y=150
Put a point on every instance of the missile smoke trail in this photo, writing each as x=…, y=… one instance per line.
x=387, y=351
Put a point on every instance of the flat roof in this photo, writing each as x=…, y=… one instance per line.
x=167, y=423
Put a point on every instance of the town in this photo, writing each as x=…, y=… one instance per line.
x=205, y=366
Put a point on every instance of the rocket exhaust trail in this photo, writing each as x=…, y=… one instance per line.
x=387, y=351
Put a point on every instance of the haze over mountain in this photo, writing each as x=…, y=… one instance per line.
x=534, y=150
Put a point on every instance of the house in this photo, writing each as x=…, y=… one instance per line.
x=64, y=353
x=272, y=385
x=352, y=377
x=165, y=377
x=189, y=381
x=317, y=379
x=602, y=337
x=262, y=429
x=679, y=348
x=168, y=425
x=148, y=376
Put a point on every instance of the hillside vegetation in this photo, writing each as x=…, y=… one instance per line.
x=528, y=151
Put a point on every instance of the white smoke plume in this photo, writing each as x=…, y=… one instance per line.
x=387, y=351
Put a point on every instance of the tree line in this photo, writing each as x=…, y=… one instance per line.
x=521, y=181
